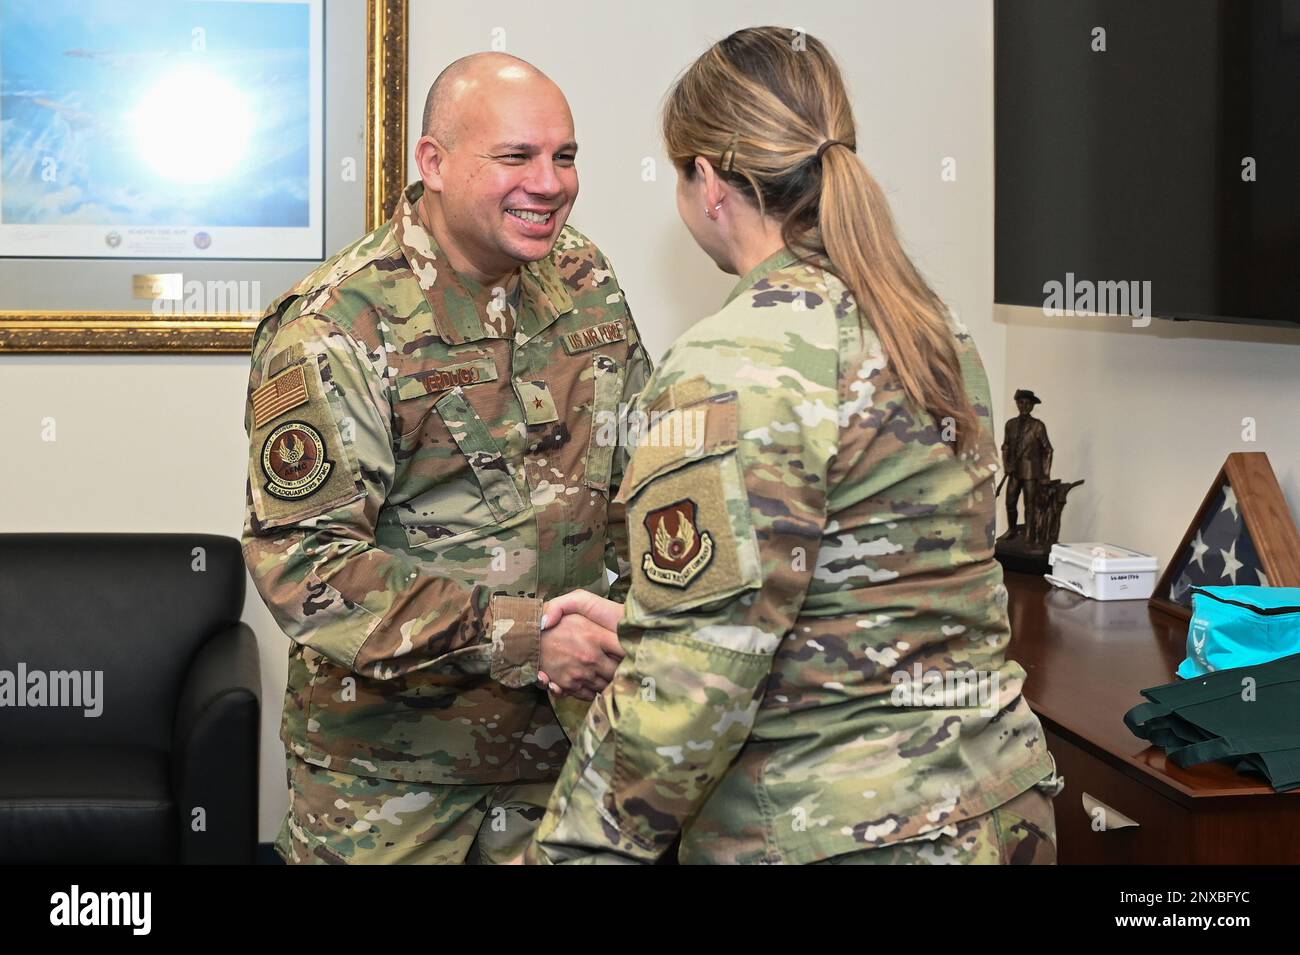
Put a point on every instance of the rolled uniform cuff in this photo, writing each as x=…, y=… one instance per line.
x=513, y=625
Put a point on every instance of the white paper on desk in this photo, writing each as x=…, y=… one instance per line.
x=1110, y=818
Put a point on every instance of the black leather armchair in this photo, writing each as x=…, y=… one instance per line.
x=144, y=629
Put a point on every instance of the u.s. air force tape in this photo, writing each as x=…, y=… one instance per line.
x=594, y=337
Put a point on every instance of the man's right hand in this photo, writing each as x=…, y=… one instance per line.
x=579, y=656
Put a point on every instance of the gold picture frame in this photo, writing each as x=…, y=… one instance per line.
x=135, y=332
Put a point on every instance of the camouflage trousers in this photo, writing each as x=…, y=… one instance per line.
x=339, y=818
x=1022, y=831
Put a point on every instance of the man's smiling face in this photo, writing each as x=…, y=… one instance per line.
x=508, y=180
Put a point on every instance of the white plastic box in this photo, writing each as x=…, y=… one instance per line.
x=1102, y=571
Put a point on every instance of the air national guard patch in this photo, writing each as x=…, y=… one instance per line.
x=679, y=550
x=294, y=461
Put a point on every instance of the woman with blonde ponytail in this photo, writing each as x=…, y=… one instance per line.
x=816, y=628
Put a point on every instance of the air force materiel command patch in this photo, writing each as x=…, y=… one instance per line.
x=294, y=461
x=679, y=550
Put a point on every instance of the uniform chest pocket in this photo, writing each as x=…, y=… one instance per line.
x=453, y=476
x=691, y=536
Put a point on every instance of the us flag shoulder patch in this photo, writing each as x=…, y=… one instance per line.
x=282, y=393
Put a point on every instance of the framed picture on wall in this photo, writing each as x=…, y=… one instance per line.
x=1243, y=534
x=168, y=167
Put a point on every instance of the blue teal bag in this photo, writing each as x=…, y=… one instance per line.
x=1240, y=627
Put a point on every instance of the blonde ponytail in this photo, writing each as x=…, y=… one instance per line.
x=765, y=107
x=858, y=234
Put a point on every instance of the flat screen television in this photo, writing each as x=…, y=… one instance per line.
x=1149, y=141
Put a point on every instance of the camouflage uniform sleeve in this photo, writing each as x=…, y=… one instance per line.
x=321, y=466
x=637, y=373
x=723, y=534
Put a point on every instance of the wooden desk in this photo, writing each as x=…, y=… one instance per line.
x=1087, y=662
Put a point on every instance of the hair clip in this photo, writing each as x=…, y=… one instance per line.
x=727, y=162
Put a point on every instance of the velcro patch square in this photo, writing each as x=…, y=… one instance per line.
x=539, y=406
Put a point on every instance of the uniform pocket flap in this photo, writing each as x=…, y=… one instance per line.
x=483, y=453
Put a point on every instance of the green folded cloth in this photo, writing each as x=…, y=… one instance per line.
x=1246, y=716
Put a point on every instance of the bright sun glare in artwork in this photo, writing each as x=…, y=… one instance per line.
x=192, y=125
x=162, y=129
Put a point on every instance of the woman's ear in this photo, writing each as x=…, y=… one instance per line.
x=711, y=187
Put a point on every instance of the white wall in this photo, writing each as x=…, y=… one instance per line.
x=156, y=443
x=1147, y=415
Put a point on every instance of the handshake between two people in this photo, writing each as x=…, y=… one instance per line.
x=580, y=648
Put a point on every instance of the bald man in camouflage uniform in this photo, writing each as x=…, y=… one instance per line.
x=430, y=459
x=816, y=629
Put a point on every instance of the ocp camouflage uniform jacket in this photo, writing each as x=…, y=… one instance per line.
x=812, y=576
x=421, y=478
